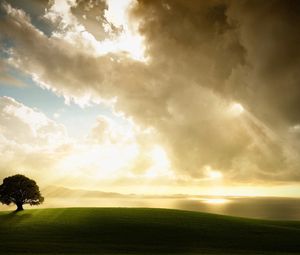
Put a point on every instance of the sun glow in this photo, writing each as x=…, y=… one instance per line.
x=160, y=164
x=99, y=161
x=127, y=43
x=212, y=174
x=215, y=201
x=129, y=40
x=236, y=109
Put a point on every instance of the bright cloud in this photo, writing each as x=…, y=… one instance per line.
x=33, y=143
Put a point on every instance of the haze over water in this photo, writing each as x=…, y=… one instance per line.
x=258, y=207
x=250, y=207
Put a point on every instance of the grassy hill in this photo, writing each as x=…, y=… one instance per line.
x=142, y=231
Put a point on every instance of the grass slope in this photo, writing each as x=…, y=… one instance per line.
x=142, y=231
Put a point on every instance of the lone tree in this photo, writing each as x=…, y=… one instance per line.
x=20, y=190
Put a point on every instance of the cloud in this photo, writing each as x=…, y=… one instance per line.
x=30, y=141
x=268, y=32
x=37, y=146
x=6, y=78
x=22, y=124
x=202, y=58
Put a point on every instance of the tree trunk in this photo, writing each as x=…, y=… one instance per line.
x=19, y=207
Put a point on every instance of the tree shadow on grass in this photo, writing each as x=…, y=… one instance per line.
x=14, y=217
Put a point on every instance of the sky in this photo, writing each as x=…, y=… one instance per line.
x=152, y=97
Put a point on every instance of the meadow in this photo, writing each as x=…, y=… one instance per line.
x=142, y=231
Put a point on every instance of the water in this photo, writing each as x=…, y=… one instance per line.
x=256, y=207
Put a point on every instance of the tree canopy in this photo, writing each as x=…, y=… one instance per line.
x=19, y=190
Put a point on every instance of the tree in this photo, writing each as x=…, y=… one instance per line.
x=20, y=190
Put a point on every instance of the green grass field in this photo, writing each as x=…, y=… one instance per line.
x=142, y=231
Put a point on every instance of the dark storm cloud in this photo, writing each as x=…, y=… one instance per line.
x=246, y=50
x=269, y=31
